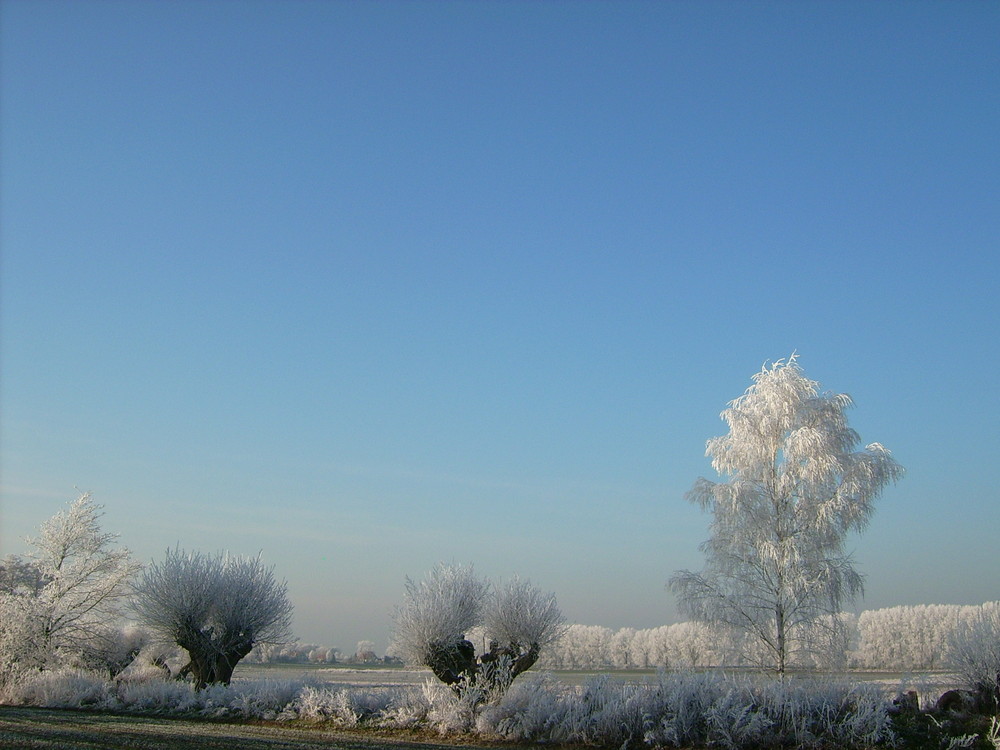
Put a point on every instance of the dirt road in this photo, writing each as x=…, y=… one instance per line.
x=59, y=729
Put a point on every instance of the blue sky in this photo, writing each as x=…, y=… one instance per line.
x=367, y=286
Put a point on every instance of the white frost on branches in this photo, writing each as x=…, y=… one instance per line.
x=216, y=607
x=61, y=604
x=441, y=609
x=517, y=612
x=432, y=627
x=975, y=648
x=775, y=564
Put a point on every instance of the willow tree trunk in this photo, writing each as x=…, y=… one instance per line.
x=212, y=662
x=494, y=671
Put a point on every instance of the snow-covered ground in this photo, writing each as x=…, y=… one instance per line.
x=929, y=685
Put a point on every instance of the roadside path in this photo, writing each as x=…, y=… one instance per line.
x=22, y=728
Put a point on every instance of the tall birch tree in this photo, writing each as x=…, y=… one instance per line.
x=794, y=484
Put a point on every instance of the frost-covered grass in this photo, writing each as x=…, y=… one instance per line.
x=670, y=710
x=687, y=709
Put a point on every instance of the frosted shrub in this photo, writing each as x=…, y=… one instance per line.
x=374, y=704
x=212, y=702
x=993, y=736
x=527, y=711
x=344, y=706
x=447, y=711
x=865, y=719
x=976, y=653
x=61, y=688
x=613, y=712
x=410, y=708
x=679, y=705
x=673, y=710
x=325, y=704
x=450, y=712
x=155, y=696
x=732, y=721
x=265, y=699
x=684, y=710
x=812, y=713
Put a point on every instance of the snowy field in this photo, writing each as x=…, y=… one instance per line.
x=929, y=685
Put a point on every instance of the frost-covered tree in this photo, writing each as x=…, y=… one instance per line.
x=580, y=647
x=623, y=648
x=364, y=652
x=517, y=620
x=217, y=608
x=61, y=603
x=796, y=486
x=910, y=637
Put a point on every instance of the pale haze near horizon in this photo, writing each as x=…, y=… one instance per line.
x=364, y=287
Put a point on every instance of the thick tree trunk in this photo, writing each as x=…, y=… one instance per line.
x=199, y=667
x=212, y=662
x=453, y=664
x=457, y=666
x=226, y=661
x=501, y=664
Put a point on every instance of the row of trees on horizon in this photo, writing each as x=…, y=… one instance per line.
x=904, y=638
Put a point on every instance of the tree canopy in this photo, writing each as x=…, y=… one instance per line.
x=516, y=618
x=61, y=603
x=795, y=484
x=216, y=607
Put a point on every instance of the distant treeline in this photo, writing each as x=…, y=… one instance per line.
x=313, y=653
x=903, y=638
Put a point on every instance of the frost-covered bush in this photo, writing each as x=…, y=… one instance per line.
x=18, y=635
x=525, y=712
x=682, y=709
x=342, y=705
x=976, y=653
x=59, y=688
x=450, y=712
x=156, y=696
x=687, y=709
x=411, y=707
x=266, y=699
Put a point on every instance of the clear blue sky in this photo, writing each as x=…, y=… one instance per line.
x=367, y=286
